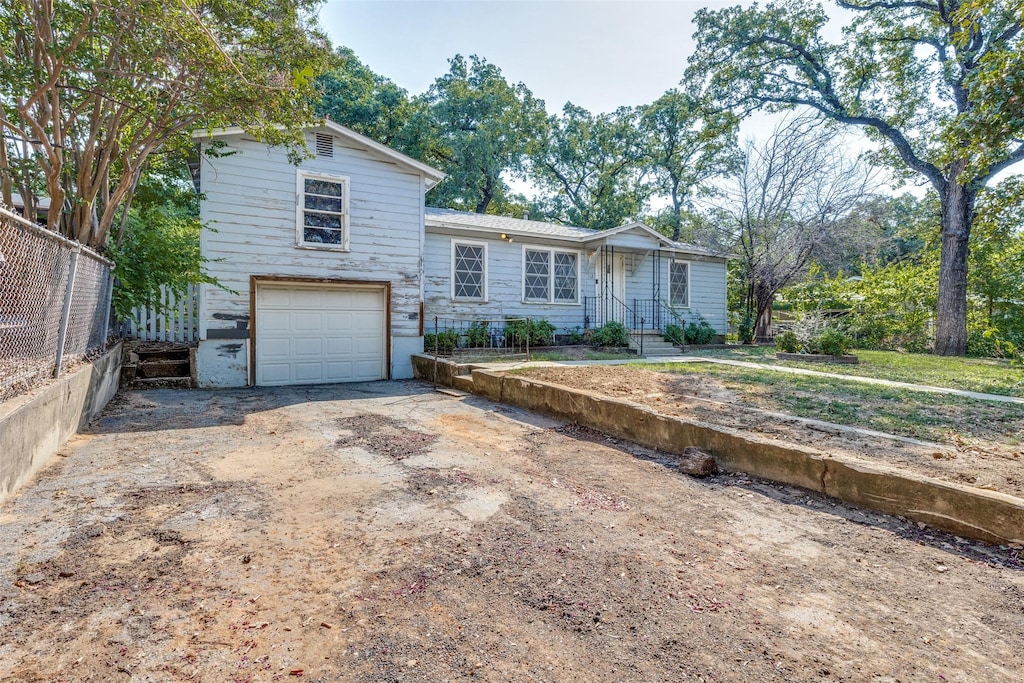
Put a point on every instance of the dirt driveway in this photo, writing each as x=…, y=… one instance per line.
x=385, y=532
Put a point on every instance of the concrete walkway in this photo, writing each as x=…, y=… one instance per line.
x=763, y=366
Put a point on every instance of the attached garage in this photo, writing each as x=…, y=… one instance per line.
x=317, y=333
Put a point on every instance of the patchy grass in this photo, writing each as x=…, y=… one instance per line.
x=986, y=375
x=922, y=415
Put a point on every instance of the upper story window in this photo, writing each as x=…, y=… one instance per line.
x=322, y=210
x=469, y=271
x=551, y=276
x=679, y=284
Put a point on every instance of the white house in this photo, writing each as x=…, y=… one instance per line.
x=488, y=267
x=324, y=260
x=333, y=267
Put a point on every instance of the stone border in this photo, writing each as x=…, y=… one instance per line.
x=818, y=358
x=966, y=511
x=34, y=426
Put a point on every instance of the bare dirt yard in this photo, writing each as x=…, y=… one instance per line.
x=385, y=532
x=977, y=443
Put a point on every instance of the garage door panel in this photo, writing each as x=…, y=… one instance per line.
x=311, y=335
x=342, y=346
x=304, y=348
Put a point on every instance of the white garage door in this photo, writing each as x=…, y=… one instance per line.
x=319, y=334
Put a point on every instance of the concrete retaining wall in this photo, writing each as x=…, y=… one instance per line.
x=962, y=510
x=34, y=426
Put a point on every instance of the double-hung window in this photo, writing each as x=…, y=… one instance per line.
x=322, y=210
x=679, y=284
x=551, y=276
x=469, y=271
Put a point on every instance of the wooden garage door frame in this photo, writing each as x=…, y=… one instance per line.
x=265, y=280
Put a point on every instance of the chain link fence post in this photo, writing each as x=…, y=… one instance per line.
x=65, y=316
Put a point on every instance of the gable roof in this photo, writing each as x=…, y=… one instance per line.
x=429, y=173
x=520, y=227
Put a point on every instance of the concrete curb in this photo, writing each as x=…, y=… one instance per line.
x=34, y=426
x=962, y=510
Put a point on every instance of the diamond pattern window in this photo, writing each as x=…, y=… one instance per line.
x=551, y=276
x=468, y=271
x=537, y=275
x=323, y=211
x=679, y=284
x=565, y=276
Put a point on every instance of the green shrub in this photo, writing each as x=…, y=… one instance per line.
x=746, y=328
x=832, y=343
x=674, y=333
x=612, y=333
x=699, y=332
x=989, y=343
x=575, y=336
x=538, y=332
x=478, y=335
x=442, y=343
x=787, y=342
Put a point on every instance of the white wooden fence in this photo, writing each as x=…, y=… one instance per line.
x=179, y=324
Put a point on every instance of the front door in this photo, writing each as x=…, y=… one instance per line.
x=611, y=288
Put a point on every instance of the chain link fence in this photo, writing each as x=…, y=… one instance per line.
x=54, y=303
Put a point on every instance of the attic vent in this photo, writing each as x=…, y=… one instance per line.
x=324, y=145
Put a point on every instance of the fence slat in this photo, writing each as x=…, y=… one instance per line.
x=178, y=322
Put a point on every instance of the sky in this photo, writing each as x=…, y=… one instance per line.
x=596, y=54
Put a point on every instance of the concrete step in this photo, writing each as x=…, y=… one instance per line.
x=163, y=383
x=152, y=369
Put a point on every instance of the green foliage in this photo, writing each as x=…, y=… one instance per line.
x=478, y=335
x=370, y=104
x=746, y=328
x=441, y=343
x=589, y=172
x=538, y=332
x=787, y=342
x=612, y=333
x=122, y=80
x=988, y=343
x=575, y=336
x=160, y=243
x=675, y=334
x=686, y=143
x=483, y=126
x=831, y=342
x=936, y=83
x=699, y=331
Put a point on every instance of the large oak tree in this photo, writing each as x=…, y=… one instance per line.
x=932, y=80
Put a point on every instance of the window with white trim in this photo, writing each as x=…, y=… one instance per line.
x=551, y=276
x=679, y=284
x=469, y=271
x=322, y=210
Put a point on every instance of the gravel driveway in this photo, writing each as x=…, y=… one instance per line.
x=386, y=532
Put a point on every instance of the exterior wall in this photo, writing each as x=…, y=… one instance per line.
x=504, y=283
x=250, y=208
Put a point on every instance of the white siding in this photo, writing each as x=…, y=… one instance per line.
x=250, y=208
x=504, y=284
x=504, y=281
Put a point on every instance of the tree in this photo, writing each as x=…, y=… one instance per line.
x=685, y=144
x=89, y=90
x=368, y=103
x=483, y=128
x=782, y=204
x=925, y=77
x=591, y=168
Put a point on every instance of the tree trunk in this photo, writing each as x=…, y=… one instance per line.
x=763, y=300
x=951, y=315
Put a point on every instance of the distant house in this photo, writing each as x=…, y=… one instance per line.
x=487, y=267
x=333, y=267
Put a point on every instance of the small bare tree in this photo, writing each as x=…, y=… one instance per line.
x=782, y=204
